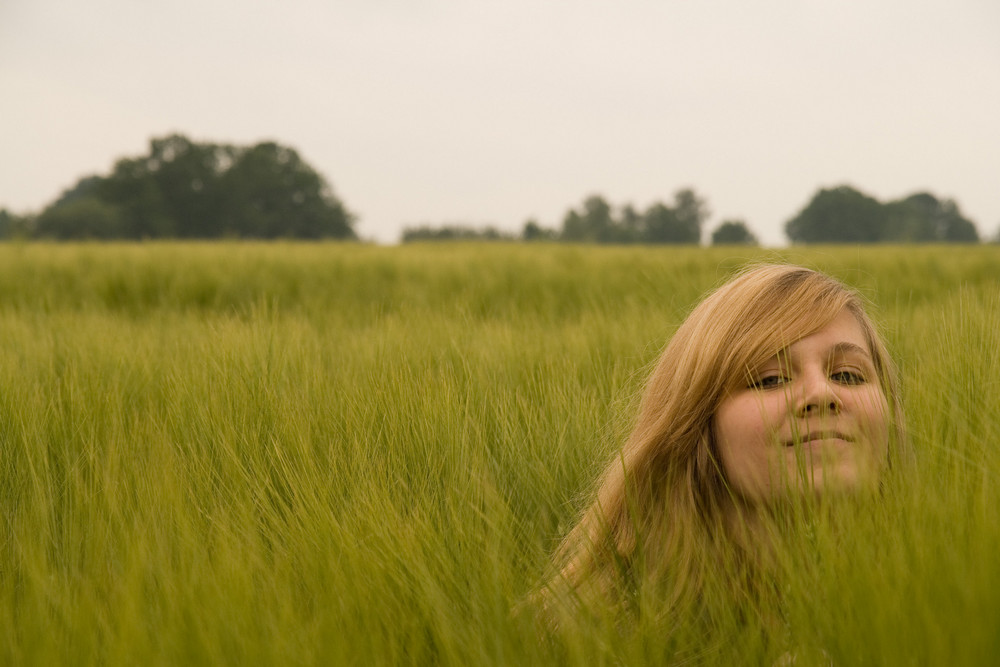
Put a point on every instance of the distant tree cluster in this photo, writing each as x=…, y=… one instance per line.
x=188, y=190
x=836, y=215
x=733, y=232
x=845, y=215
x=13, y=226
x=455, y=233
x=597, y=221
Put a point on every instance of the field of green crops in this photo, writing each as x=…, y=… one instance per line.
x=343, y=454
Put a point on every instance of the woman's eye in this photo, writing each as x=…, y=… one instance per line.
x=848, y=377
x=769, y=382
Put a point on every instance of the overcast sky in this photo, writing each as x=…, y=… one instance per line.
x=450, y=111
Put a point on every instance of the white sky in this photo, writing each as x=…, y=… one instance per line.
x=449, y=111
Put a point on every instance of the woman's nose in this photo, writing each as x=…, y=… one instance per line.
x=817, y=396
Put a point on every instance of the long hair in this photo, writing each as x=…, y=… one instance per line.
x=664, y=506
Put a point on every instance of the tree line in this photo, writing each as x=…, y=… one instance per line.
x=597, y=221
x=845, y=215
x=836, y=215
x=188, y=190
x=198, y=190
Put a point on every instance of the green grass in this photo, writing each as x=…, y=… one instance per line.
x=341, y=454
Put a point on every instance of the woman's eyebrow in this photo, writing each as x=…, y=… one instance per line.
x=846, y=347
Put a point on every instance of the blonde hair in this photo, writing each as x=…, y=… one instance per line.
x=661, y=507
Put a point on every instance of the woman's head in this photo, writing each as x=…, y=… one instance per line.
x=776, y=383
x=727, y=376
x=813, y=417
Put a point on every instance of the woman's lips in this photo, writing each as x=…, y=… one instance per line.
x=814, y=436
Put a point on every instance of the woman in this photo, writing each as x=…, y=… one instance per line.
x=776, y=387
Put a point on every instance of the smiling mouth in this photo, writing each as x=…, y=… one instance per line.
x=814, y=436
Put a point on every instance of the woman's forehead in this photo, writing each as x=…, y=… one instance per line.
x=842, y=335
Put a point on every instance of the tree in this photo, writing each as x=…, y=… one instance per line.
x=185, y=189
x=173, y=191
x=454, y=233
x=272, y=192
x=957, y=228
x=660, y=225
x=733, y=232
x=83, y=218
x=534, y=232
x=13, y=225
x=133, y=188
x=679, y=224
x=922, y=217
x=838, y=215
x=632, y=223
x=594, y=224
x=691, y=211
x=907, y=224
x=85, y=187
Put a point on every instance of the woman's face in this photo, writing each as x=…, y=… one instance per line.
x=813, y=418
